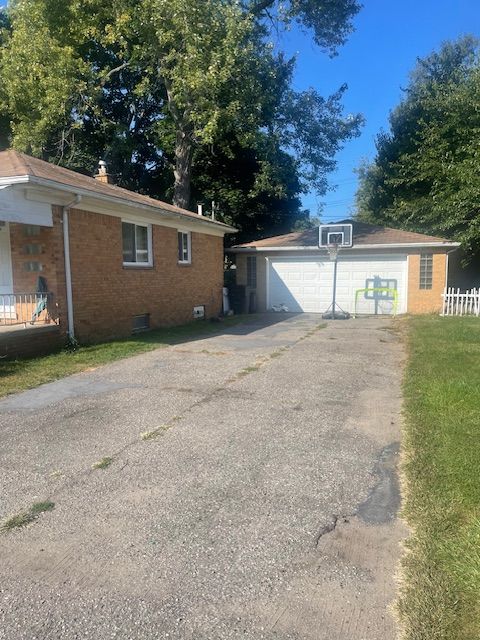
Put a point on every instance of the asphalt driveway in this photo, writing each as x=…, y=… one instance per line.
x=252, y=491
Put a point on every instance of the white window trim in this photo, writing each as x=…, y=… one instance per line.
x=189, y=245
x=139, y=265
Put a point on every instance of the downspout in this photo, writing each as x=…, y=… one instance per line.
x=447, y=264
x=68, y=270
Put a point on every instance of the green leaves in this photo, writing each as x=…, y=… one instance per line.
x=200, y=51
x=38, y=75
x=426, y=176
x=156, y=85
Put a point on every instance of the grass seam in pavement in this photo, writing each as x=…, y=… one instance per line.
x=107, y=461
x=28, y=373
x=25, y=517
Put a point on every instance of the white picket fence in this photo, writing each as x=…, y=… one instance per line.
x=457, y=303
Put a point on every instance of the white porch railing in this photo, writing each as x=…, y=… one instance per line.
x=25, y=308
x=457, y=303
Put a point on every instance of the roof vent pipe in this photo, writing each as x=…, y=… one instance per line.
x=200, y=209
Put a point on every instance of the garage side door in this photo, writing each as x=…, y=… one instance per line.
x=307, y=284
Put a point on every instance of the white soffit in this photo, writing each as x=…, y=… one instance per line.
x=15, y=207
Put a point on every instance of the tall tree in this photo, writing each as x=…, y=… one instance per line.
x=178, y=74
x=255, y=189
x=5, y=128
x=426, y=174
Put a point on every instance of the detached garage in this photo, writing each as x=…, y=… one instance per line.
x=385, y=271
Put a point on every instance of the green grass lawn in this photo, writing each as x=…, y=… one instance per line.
x=18, y=375
x=440, y=594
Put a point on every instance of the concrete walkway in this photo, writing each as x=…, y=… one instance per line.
x=262, y=506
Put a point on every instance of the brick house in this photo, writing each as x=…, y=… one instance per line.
x=81, y=256
x=294, y=271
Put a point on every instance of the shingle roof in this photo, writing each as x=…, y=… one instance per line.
x=363, y=234
x=17, y=164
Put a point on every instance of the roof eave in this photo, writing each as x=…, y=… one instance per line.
x=398, y=245
x=59, y=186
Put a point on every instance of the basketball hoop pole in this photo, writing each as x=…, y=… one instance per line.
x=332, y=237
x=334, y=297
x=342, y=315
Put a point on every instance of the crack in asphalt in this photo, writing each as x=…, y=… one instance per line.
x=383, y=500
x=331, y=526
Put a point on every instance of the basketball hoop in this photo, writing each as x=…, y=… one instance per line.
x=333, y=251
x=334, y=237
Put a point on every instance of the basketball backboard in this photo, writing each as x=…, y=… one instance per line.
x=335, y=234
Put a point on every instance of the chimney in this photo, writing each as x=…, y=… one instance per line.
x=102, y=174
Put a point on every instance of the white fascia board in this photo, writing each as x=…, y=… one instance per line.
x=358, y=247
x=7, y=182
x=261, y=249
x=99, y=202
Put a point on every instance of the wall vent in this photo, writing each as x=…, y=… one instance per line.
x=30, y=230
x=33, y=266
x=141, y=322
x=32, y=249
x=199, y=312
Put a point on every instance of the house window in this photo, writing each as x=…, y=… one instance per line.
x=426, y=270
x=252, y=272
x=184, y=247
x=137, y=244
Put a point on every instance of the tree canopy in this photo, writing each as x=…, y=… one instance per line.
x=166, y=90
x=426, y=174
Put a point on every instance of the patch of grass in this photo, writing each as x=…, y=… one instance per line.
x=103, y=463
x=213, y=353
x=150, y=435
x=18, y=375
x=41, y=507
x=314, y=330
x=25, y=517
x=279, y=352
x=250, y=369
x=17, y=521
x=276, y=354
x=439, y=596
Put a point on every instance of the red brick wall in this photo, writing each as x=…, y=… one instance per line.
x=49, y=241
x=37, y=341
x=107, y=295
x=426, y=300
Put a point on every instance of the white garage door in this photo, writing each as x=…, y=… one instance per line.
x=306, y=284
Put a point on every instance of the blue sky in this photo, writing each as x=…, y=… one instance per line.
x=375, y=62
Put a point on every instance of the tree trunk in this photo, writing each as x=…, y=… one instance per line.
x=183, y=169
